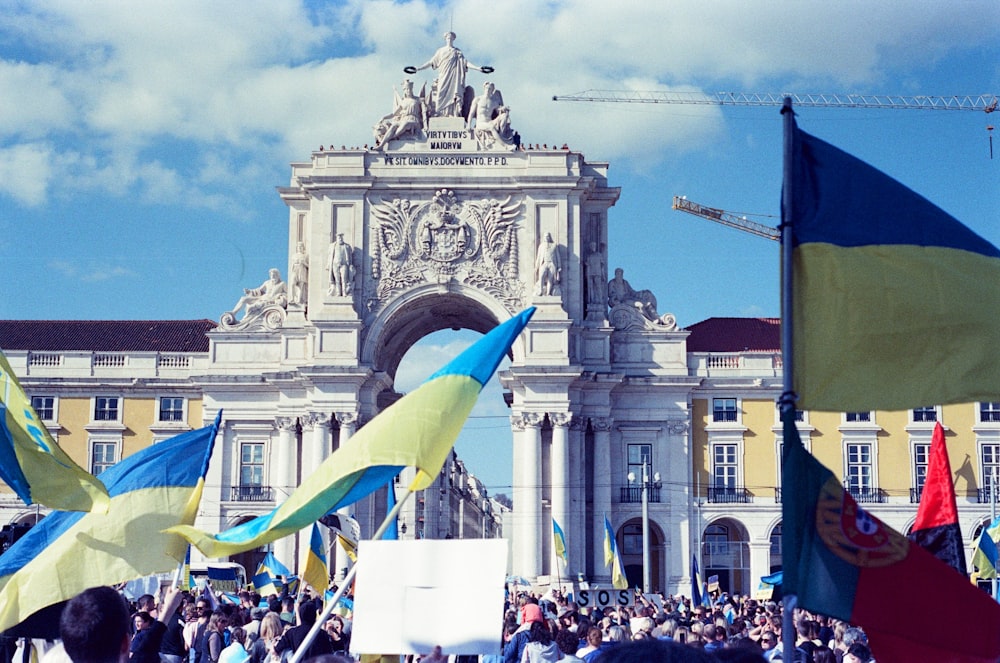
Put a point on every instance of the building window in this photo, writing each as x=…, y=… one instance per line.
x=252, y=464
x=632, y=540
x=638, y=454
x=776, y=541
x=989, y=412
x=102, y=456
x=171, y=409
x=921, y=452
x=859, y=468
x=724, y=409
x=724, y=466
x=857, y=417
x=716, y=541
x=106, y=408
x=991, y=469
x=44, y=407
x=925, y=414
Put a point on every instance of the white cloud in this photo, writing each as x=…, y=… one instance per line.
x=25, y=171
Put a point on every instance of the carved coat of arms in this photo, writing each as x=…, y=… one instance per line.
x=443, y=239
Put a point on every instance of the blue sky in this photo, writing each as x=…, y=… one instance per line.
x=141, y=143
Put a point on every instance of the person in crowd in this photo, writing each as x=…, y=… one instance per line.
x=213, y=641
x=655, y=651
x=340, y=639
x=567, y=643
x=236, y=651
x=293, y=638
x=540, y=647
x=94, y=627
x=593, y=649
x=514, y=647
x=271, y=629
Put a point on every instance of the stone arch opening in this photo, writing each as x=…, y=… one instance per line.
x=631, y=545
x=726, y=554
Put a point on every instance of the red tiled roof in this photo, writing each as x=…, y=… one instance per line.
x=735, y=335
x=106, y=335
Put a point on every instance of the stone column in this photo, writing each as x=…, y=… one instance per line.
x=348, y=424
x=527, y=495
x=316, y=436
x=579, y=464
x=284, y=548
x=560, y=470
x=602, y=492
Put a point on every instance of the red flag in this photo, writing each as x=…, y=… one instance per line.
x=936, y=528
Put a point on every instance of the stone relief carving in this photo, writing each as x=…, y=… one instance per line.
x=635, y=309
x=548, y=268
x=560, y=418
x=264, y=307
x=340, y=265
x=443, y=240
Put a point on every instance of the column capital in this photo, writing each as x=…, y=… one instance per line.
x=560, y=419
x=347, y=418
x=314, y=419
x=532, y=419
x=286, y=424
x=601, y=424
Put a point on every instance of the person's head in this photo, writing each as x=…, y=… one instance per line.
x=218, y=622
x=858, y=653
x=94, y=626
x=307, y=613
x=824, y=655
x=539, y=632
x=768, y=640
x=531, y=612
x=271, y=626
x=617, y=633
x=146, y=602
x=708, y=632
x=853, y=634
x=595, y=636
x=142, y=620
x=567, y=642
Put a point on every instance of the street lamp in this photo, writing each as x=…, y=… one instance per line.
x=644, y=492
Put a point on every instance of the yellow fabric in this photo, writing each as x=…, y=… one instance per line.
x=54, y=479
x=894, y=327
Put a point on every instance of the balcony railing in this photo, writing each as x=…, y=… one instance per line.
x=726, y=495
x=633, y=494
x=867, y=495
x=251, y=494
x=915, y=494
x=983, y=495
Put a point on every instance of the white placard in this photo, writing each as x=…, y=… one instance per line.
x=413, y=595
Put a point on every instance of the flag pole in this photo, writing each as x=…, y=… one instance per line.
x=787, y=402
x=348, y=579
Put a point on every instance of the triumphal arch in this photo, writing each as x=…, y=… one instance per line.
x=449, y=218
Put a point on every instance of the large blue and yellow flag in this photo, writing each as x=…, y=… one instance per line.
x=613, y=557
x=985, y=557
x=67, y=552
x=272, y=566
x=263, y=584
x=895, y=302
x=418, y=431
x=316, y=572
x=31, y=462
x=559, y=540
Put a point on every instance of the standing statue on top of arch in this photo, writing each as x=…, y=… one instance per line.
x=450, y=96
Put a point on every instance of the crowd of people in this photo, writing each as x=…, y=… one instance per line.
x=101, y=626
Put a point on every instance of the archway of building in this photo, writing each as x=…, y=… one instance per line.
x=251, y=559
x=725, y=552
x=630, y=543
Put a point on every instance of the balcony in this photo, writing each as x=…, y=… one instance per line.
x=633, y=494
x=251, y=494
x=915, y=494
x=726, y=495
x=983, y=496
x=867, y=495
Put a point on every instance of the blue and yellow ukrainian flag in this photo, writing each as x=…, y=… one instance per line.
x=316, y=572
x=272, y=566
x=985, y=557
x=67, y=552
x=613, y=557
x=559, y=540
x=32, y=464
x=263, y=584
x=895, y=302
x=418, y=431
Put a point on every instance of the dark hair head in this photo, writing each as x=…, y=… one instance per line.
x=94, y=626
x=861, y=651
x=567, y=641
x=540, y=633
x=307, y=613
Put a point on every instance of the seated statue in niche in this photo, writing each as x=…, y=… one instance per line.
x=620, y=292
x=270, y=297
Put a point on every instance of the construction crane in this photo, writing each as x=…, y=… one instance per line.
x=983, y=102
x=726, y=218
